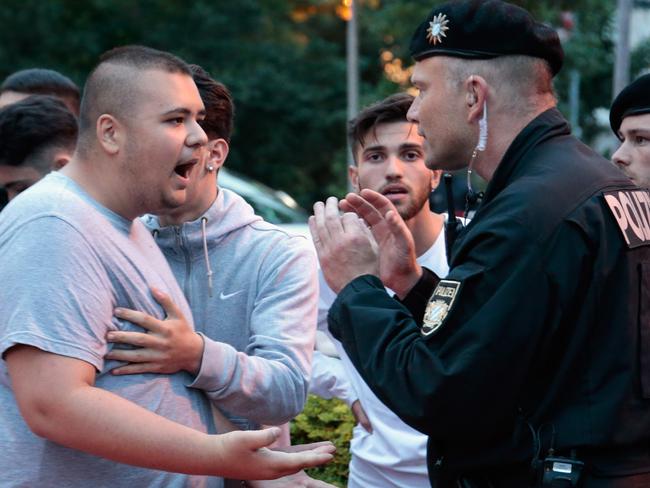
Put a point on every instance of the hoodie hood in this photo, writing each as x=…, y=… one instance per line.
x=228, y=213
x=195, y=240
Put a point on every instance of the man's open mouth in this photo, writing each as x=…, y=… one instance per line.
x=183, y=170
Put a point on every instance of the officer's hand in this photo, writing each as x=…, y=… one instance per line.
x=345, y=247
x=398, y=267
x=169, y=346
x=360, y=416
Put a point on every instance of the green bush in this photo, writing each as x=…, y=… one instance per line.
x=326, y=420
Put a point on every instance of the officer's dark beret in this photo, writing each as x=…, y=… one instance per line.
x=634, y=99
x=483, y=29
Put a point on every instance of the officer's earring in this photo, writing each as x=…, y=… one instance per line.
x=209, y=167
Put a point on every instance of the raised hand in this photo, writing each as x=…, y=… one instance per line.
x=398, y=267
x=345, y=247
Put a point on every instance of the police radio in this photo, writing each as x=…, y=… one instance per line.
x=555, y=471
x=560, y=472
x=453, y=224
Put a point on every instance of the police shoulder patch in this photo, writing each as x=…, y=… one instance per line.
x=439, y=305
x=631, y=209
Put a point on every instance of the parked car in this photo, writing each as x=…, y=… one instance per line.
x=274, y=206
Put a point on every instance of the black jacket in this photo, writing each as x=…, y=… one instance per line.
x=549, y=328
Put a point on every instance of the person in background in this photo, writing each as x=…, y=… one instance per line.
x=389, y=158
x=40, y=81
x=37, y=135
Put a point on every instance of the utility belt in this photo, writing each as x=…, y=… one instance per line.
x=581, y=468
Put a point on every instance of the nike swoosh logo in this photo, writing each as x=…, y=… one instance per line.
x=225, y=296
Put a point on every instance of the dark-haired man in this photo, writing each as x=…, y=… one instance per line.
x=527, y=365
x=139, y=139
x=37, y=135
x=388, y=158
x=39, y=81
x=251, y=287
x=630, y=120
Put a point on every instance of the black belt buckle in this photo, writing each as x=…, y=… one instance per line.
x=561, y=471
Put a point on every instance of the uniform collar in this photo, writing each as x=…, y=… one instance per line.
x=547, y=125
x=228, y=213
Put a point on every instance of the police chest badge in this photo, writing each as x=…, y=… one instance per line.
x=439, y=305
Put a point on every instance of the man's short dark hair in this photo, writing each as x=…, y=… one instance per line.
x=40, y=81
x=32, y=126
x=392, y=109
x=109, y=87
x=219, y=106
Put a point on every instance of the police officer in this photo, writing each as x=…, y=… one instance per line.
x=630, y=121
x=529, y=364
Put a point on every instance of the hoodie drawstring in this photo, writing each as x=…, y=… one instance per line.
x=204, y=221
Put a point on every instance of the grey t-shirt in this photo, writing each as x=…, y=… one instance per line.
x=65, y=263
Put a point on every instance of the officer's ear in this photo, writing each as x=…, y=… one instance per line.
x=476, y=91
x=436, y=174
x=353, y=174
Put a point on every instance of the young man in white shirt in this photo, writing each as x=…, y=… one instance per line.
x=389, y=158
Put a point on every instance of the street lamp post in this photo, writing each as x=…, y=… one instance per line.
x=352, y=55
x=622, y=60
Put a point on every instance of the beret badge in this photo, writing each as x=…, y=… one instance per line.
x=437, y=29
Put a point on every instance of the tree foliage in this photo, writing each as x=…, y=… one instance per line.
x=331, y=420
x=284, y=61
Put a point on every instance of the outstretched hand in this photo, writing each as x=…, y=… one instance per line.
x=345, y=247
x=298, y=480
x=168, y=346
x=398, y=267
x=246, y=455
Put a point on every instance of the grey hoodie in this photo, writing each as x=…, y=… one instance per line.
x=257, y=312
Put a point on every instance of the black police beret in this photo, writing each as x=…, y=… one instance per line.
x=483, y=29
x=634, y=99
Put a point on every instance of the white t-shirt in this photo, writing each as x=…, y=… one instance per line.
x=394, y=454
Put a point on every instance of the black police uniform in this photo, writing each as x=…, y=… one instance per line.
x=539, y=337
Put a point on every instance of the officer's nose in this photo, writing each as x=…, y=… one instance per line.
x=413, y=114
x=621, y=157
